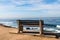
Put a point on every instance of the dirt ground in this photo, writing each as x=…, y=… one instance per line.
x=11, y=34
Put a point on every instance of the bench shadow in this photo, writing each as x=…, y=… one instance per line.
x=45, y=36
x=14, y=33
x=48, y=36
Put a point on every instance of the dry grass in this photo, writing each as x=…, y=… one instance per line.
x=11, y=34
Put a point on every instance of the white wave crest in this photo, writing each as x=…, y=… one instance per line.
x=6, y=23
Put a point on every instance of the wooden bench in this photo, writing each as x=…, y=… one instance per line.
x=40, y=23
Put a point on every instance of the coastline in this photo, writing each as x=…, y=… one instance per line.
x=9, y=33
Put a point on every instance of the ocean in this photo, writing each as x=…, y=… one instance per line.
x=50, y=22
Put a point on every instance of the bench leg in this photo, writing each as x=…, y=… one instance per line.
x=57, y=36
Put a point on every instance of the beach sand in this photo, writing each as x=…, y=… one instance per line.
x=11, y=34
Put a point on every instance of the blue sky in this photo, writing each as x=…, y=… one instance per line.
x=29, y=8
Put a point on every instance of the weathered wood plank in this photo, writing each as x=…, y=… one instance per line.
x=20, y=26
x=30, y=22
x=41, y=26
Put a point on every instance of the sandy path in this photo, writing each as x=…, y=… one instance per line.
x=11, y=34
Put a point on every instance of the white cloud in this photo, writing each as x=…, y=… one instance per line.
x=14, y=11
x=36, y=4
x=6, y=6
x=42, y=6
x=21, y=2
